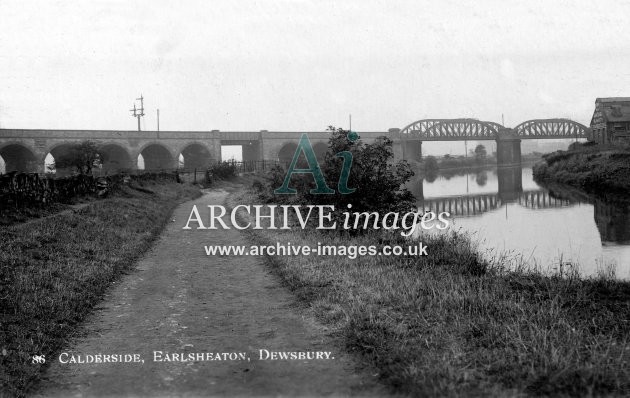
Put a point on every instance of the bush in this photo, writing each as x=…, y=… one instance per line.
x=82, y=157
x=221, y=171
x=378, y=182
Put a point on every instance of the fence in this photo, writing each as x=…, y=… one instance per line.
x=201, y=174
x=247, y=166
x=31, y=189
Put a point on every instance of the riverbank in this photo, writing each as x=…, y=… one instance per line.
x=451, y=323
x=592, y=168
x=54, y=270
x=430, y=167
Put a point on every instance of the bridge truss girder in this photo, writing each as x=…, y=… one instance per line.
x=551, y=128
x=451, y=130
x=473, y=129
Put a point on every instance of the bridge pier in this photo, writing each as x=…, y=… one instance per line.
x=404, y=148
x=412, y=150
x=397, y=144
x=251, y=151
x=508, y=149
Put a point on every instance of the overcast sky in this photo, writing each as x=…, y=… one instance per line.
x=304, y=65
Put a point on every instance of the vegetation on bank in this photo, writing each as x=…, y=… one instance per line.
x=24, y=196
x=453, y=324
x=430, y=166
x=593, y=168
x=54, y=270
x=220, y=171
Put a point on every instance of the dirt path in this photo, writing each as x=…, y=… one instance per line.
x=181, y=301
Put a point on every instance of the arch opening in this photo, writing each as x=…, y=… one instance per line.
x=115, y=158
x=320, y=150
x=195, y=156
x=156, y=157
x=57, y=153
x=286, y=152
x=17, y=157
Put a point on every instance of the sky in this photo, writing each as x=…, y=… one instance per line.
x=302, y=65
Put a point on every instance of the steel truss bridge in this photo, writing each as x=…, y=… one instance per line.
x=473, y=129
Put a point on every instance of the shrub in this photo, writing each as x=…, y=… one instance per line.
x=221, y=171
x=377, y=180
x=82, y=157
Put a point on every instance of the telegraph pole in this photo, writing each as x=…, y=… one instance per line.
x=138, y=113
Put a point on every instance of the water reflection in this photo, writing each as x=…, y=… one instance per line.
x=507, y=212
x=611, y=217
x=481, y=178
x=613, y=222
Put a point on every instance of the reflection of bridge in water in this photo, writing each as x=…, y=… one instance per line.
x=472, y=205
x=612, y=219
x=510, y=190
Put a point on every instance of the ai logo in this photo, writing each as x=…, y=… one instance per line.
x=305, y=147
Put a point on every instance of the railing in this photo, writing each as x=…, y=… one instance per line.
x=247, y=166
x=195, y=175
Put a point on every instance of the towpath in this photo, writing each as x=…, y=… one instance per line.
x=180, y=301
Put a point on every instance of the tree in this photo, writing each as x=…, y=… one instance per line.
x=481, y=178
x=480, y=152
x=82, y=157
x=431, y=164
x=377, y=182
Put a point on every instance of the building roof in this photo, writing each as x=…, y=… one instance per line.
x=613, y=99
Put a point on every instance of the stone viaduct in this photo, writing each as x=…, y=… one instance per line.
x=25, y=150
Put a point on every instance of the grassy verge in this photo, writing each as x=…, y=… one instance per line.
x=54, y=270
x=451, y=324
x=592, y=168
x=15, y=216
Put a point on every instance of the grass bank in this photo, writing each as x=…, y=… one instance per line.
x=16, y=216
x=451, y=324
x=592, y=168
x=54, y=270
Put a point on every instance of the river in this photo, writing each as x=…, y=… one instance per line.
x=513, y=218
